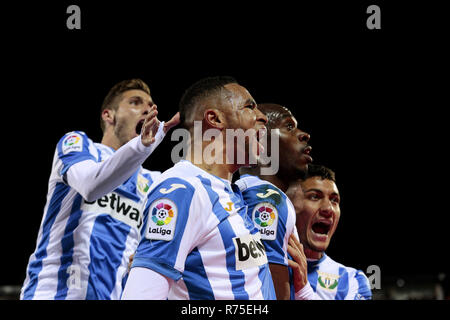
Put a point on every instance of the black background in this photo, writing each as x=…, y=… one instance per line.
x=372, y=100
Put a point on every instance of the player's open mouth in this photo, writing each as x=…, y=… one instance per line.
x=139, y=126
x=321, y=227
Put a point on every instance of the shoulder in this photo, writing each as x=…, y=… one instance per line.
x=172, y=184
x=260, y=190
x=73, y=137
x=74, y=141
x=151, y=175
x=248, y=181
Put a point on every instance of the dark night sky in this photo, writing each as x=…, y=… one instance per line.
x=371, y=100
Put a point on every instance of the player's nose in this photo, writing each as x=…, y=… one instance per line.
x=261, y=117
x=303, y=137
x=326, y=210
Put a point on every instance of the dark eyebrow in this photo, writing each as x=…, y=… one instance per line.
x=320, y=191
x=289, y=118
x=140, y=98
x=315, y=190
x=249, y=101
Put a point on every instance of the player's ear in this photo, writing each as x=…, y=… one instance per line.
x=214, y=118
x=108, y=116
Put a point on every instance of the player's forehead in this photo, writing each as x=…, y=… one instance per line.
x=326, y=186
x=277, y=115
x=136, y=93
x=237, y=95
x=287, y=117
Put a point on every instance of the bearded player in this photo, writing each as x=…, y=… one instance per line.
x=96, y=196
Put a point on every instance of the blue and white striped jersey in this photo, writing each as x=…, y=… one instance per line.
x=272, y=213
x=83, y=247
x=197, y=232
x=331, y=280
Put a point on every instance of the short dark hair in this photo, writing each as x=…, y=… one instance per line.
x=200, y=90
x=274, y=113
x=316, y=170
x=118, y=89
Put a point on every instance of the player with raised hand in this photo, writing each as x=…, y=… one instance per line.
x=96, y=195
x=268, y=206
x=198, y=242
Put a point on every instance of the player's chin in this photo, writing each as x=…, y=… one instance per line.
x=319, y=242
x=249, y=162
x=319, y=246
x=302, y=167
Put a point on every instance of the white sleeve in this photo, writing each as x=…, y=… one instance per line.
x=307, y=293
x=146, y=284
x=95, y=179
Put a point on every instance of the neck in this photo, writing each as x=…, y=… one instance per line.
x=311, y=254
x=208, y=163
x=110, y=139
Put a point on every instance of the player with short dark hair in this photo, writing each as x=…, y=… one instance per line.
x=269, y=207
x=318, y=214
x=198, y=242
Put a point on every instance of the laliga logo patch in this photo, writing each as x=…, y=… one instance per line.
x=72, y=143
x=265, y=218
x=162, y=220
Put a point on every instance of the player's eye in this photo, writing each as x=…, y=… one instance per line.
x=313, y=196
x=135, y=102
x=290, y=126
x=335, y=200
x=250, y=106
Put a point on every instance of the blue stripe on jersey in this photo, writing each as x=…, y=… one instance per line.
x=71, y=158
x=363, y=286
x=67, y=244
x=274, y=248
x=35, y=266
x=124, y=282
x=237, y=277
x=129, y=187
x=342, y=289
x=268, y=292
x=156, y=264
x=312, y=275
x=107, y=233
x=202, y=289
x=99, y=155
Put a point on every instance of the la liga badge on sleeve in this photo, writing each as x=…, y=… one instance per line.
x=162, y=220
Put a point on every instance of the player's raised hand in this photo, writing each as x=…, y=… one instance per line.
x=150, y=127
x=172, y=122
x=299, y=265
